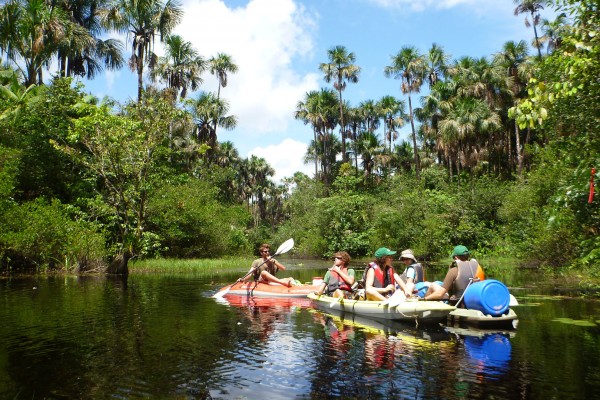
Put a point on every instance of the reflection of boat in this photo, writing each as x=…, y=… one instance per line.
x=260, y=289
x=390, y=328
x=408, y=310
x=479, y=319
x=478, y=332
x=266, y=302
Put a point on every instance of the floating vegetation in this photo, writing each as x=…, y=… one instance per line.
x=578, y=322
x=544, y=297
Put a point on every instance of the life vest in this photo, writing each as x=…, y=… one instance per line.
x=336, y=282
x=380, y=280
x=467, y=270
x=419, y=273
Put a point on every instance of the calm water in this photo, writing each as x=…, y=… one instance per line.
x=165, y=337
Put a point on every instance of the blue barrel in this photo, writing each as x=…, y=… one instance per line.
x=489, y=296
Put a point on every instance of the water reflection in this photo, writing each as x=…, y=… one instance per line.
x=366, y=358
x=165, y=337
x=487, y=354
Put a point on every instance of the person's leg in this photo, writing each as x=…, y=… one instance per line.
x=271, y=278
x=373, y=294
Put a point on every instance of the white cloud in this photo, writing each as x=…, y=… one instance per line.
x=264, y=39
x=286, y=158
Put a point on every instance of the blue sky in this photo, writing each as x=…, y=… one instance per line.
x=278, y=45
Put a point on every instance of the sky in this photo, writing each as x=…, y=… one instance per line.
x=279, y=44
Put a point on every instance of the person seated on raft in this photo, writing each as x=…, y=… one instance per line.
x=462, y=271
x=413, y=273
x=380, y=279
x=338, y=279
x=263, y=269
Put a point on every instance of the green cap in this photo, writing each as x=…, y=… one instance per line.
x=384, y=251
x=460, y=251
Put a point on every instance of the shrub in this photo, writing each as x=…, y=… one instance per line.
x=40, y=235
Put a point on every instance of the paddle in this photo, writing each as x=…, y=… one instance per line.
x=284, y=248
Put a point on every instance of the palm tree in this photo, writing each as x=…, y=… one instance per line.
x=513, y=59
x=532, y=7
x=17, y=96
x=220, y=66
x=31, y=30
x=410, y=67
x=437, y=61
x=82, y=52
x=369, y=147
x=553, y=31
x=142, y=21
x=403, y=156
x=340, y=69
x=392, y=111
x=464, y=130
x=318, y=110
x=369, y=115
x=207, y=111
x=260, y=172
x=181, y=66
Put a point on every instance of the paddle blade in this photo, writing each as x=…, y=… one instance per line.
x=221, y=293
x=333, y=303
x=285, y=247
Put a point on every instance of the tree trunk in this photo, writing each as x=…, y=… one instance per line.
x=343, y=136
x=118, y=266
x=519, y=150
x=414, y=139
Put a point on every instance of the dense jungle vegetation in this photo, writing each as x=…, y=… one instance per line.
x=500, y=157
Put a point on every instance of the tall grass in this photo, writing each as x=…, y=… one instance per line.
x=208, y=267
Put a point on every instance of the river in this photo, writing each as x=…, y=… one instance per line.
x=163, y=336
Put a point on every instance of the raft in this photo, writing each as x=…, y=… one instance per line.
x=270, y=289
x=408, y=310
x=478, y=319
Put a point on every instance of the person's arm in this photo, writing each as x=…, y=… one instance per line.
x=410, y=281
x=250, y=274
x=279, y=265
x=439, y=291
x=399, y=282
x=323, y=285
x=377, y=293
x=345, y=276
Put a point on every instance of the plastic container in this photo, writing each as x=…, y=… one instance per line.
x=317, y=280
x=489, y=296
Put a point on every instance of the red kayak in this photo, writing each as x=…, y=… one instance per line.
x=270, y=289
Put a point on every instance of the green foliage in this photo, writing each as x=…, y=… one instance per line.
x=188, y=220
x=45, y=118
x=9, y=164
x=39, y=235
x=346, y=223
